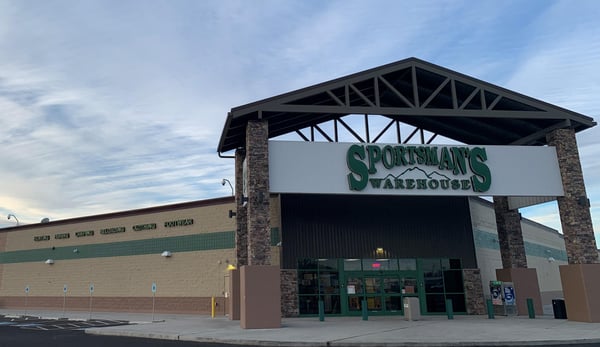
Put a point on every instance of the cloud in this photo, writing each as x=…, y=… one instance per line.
x=114, y=105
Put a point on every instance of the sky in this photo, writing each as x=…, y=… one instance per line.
x=114, y=105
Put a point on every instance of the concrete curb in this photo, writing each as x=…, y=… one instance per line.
x=338, y=343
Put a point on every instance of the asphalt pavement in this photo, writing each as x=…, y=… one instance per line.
x=390, y=331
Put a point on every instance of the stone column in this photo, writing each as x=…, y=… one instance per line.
x=473, y=291
x=514, y=258
x=260, y=283
x=581, y=278
x=257, y=162
x=289, y=293
x=574, y=206
x=241, y=215
x=510, y=235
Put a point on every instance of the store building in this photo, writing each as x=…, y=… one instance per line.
x=342, y=225
x=393, y=192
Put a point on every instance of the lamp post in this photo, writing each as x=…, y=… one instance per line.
x=225, y=180
x=15, y=217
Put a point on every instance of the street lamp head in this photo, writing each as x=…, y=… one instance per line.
x=15, y=217
x=223, y=182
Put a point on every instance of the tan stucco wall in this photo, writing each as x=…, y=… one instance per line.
x=183, y=274
x=213, y=218
x=193, y=275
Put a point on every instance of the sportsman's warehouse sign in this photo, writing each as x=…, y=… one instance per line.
x=394, y=169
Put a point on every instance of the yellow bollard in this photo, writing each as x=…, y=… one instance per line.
x=212, y=307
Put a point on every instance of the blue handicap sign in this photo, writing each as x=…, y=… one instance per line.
x=509, y=295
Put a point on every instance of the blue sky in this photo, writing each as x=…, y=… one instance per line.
x=115, y=105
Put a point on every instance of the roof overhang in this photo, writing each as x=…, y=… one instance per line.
x=414, y=92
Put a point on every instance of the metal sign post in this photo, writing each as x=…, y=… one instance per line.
x=91, y=296
x=153, y=298
x=65, y=300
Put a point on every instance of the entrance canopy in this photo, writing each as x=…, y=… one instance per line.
x=413, y=92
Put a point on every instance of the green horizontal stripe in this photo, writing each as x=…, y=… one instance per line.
x=484, y=239
x=187, y=243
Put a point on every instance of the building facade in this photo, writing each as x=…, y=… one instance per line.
x=331, y=248
x=339, y=226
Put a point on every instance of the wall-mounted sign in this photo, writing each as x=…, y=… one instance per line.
x=62, y=236
x=400, y=169
x=178, y=223
x=141, y=227
x=418, y=168
x=496, y=292
x=41, y=238
x=84, y=233
x=112, y=230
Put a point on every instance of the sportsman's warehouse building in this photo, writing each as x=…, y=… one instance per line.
x=343, y=224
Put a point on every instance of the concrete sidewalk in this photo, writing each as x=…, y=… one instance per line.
x=348, y=331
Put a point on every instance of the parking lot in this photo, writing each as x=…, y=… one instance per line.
x=36, y=323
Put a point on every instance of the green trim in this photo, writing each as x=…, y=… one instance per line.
x=187, y=243
x=488, y=240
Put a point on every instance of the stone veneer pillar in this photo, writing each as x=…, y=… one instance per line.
x=510, y=235
x=289, y=293
x=581, y=277
x=473, y=291
x=257, y=184
x=241, y=236
x=574, y=206
x=260, y=283
x=241, y=232
x=514, y=258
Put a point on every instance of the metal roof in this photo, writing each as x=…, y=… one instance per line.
x=414, y=92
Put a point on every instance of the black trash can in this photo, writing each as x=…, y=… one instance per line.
x=560, y=311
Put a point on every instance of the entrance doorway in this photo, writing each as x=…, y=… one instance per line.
x=382, y=293
x=345, y=285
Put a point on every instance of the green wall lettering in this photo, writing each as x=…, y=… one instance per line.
x=363, y=162
x=359, y=173
x=482, y=178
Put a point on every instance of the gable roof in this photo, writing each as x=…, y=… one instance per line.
x=414, y=92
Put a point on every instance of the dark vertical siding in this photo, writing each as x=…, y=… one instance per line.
x=352, y=226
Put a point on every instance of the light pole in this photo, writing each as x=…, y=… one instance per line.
x=225, y=180
x=15, y=217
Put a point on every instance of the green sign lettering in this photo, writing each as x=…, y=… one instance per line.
x=418, y=168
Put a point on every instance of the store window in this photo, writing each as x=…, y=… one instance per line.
x=443, y=280
x=344, y=284
x=318, y=279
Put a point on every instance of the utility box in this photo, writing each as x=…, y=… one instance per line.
x=412, y=309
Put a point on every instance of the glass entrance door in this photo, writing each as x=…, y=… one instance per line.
x=382, y=284
x=382, y=293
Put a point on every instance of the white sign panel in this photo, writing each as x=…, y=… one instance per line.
x=402, y=169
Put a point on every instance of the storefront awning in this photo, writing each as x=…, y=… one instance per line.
x=414, y=92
